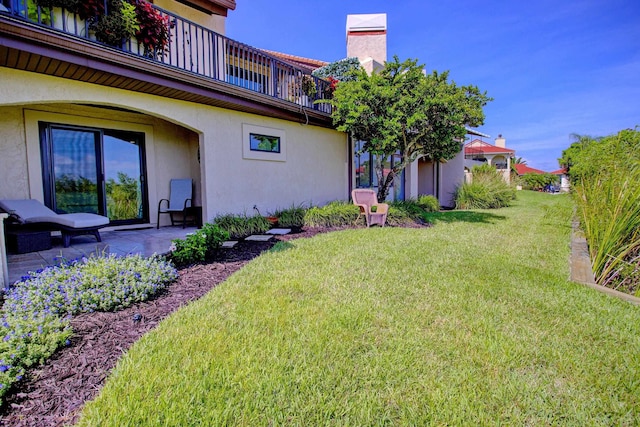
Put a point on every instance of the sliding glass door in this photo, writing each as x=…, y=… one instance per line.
x=94, y=170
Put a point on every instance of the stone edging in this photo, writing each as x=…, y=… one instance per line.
x=581, y=271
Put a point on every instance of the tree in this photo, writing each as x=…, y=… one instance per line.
x=573, y=154
x=402, y=110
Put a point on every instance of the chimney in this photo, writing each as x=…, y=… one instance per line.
x=367, y=39
x=500, y=141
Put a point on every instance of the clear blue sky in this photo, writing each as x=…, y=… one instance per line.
x=553, y=67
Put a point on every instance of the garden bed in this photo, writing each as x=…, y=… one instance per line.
x=53, y=394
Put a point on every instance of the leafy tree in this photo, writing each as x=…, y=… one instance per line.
x=401, y=110
x=341, y=70
x=577, y=150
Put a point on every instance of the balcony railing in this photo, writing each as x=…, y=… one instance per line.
x=196, y=49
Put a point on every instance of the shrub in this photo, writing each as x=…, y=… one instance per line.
x=488, y=190
x=341, y=70
x=292, y=217
x=428, y=203
x=241, y=226
x=537, y=181
x=197, y=246
x=399, y=216
x=334, y=214
x=35, y=314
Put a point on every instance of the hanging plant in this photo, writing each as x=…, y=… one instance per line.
x=309, y=85
x=90, y=10
x=118, y=25
x=154, y=29
x=110, y=27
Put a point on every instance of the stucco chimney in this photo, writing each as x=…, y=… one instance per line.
x=367, y=39
x=501, y=142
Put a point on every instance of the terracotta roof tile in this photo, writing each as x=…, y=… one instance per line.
x=522, y=169
x=481, y=147
x=308, y=63
x=560, y=171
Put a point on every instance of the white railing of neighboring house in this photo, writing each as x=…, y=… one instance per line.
x=196, y=49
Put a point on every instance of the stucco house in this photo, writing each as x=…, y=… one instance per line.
x=92, y=125
x=479, y=152
x=565, y=183
x=79, y=117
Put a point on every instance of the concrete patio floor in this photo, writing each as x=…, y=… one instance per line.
x=121, y=242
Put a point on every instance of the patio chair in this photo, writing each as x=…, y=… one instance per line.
x=365, y=199
x=30, y=214
x=179, y=201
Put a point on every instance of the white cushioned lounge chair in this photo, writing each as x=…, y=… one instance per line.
x=32, y=214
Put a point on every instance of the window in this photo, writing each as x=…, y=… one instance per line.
x=270, y=144
x=365, y=170
x=263, y=143
x=94, y=170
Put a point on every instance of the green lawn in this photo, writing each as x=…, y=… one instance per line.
x=470, y=322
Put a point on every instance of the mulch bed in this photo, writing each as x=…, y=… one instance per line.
x=54, y=394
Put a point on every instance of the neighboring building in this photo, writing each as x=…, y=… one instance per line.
x=564, y=179
x=79, y=118
x=522, y=169
x=478, y=152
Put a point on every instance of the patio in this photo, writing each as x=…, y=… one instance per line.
x=145, y=241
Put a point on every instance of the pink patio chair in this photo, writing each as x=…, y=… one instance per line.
x=366, y=199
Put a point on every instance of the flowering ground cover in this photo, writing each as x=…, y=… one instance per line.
x=36, y=314
x=52, y=394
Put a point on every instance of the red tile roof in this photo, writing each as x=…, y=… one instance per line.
x=560, y=171
x=482, y=147
x=522, y=169
x=299, y=61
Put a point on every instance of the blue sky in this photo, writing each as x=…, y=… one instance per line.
x=553, y=67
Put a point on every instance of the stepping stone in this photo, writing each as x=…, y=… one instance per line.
x=259, y=238
x=279, y=231
x=229, y=244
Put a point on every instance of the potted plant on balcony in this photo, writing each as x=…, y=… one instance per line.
x=309, y=85
x=154, y=29
x=118, y=25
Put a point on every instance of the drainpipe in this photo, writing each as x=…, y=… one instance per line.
x=4, y=280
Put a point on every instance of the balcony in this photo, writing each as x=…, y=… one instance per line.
x=191, y=62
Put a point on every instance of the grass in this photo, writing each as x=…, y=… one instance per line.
x=469, y=322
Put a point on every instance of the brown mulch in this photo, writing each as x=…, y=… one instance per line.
x=54, y=394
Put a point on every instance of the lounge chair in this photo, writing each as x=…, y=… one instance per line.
x=179, y=201
x=30, y=214
x=366, y=199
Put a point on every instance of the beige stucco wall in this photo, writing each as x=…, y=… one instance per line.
x=14, y=176
x=213, y=22
x=451, y=176
x=426, y=178
x=441, y=180
x=315, y=170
